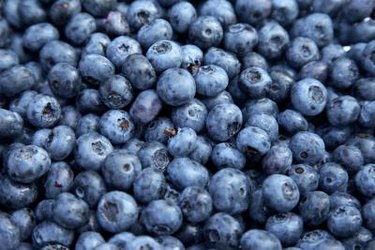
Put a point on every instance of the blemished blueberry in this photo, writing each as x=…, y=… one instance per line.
x=287, y=227
x=210, y=80
x=154, y=155
x=277, y=160
x=223, y=97
x=117, y=126
x=142, y=12
x=307, y=147
x=192, y=115
x=156, y=30
x=70, y=116
x=95, y=69
x=319, y=239
x=259, y=239
x=91, y=150
x=89, y=240
x=146, y=106
x=149, y=185
x=55, y=52
x=10, y=235
x=120, y=48
x=140, y=72
x=280, y=193
x=116, y=92
x=172, y=93
x=344, y=221
x=263, y=105
x=221, y=9
x=89, y=186
x=226, y=155
x=48, y=232
x=285, y=11
x=344, y=73
x=350, y=157
x=59, y=179
x=62, y=10
x=305, y=176
x=240, y=38
x=11, y=125
x=183, y=142
x=181, y=15
x=273, y=40
x=314, y=208
x=87, y=123
x=15, y=195
x=37, y=35
x=253, y=12
x=161, y=217
x=254, y=142
x=19, y=84
x=365, y=180
x=364, y=88
x=206, y=32
x=338, y=199
x=98, y=8
x=140, y=242
x=255, y=82
x=343, y=110
x=202, y=150
x=222, y=231
x=24, y=220
x=116, y=211
x=314, y=69
x=301, y=51
x=96, y=43
x=164, y=54
x=292, y=121
x=160, y=130
x=359, y=239
x=9, y=59
x=224, y=59
x=31, y=12
x=196, y=204
x=69, y=211
x=333, y=178
x=230, y=191
x=367, y=114
x=183, y=172
x=266, y=122
x=192, y=57
x=224, y=121
x=120, y=169
x=88, y=101
x=64, y=80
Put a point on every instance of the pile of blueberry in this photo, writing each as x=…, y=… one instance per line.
x=172, y=124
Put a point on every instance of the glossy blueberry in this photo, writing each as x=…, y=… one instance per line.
x=224, y=59
x=202, y=150
x=95, y=69
x=146, y=106
x=10, y=235
x=277, y=160
x=11, y=124
x=117, y=126
x=116, y=92
x=48, y=232
x=287, y=227
x=230, y=191
x=253, y=12
x=59, y=179
x=225, y=155
x=183, y=142
x=333, y=178
x=365, y=88
x=19, y=84
x=205, y=32
x=273, y=40
x=43, y=111
x=24, y=219
x=142, y=12
x=344, y=221
x=91, y=150
x=343, y=110
x=9, y=59
x=87, y=123
x=254, y=142
x=62, y=10
x=31, y=12
x=155, y=155
x=305, y=176
x=314, y=208
x=89, y=240
x=240, y=38
x=37, y=35
x=280, y=193
x=176, y=94
x=222, y=231
x=181, y=15
x=98, y=8
x=88, y=101
x=164, y=54
x=96, y=43
x=149, y=185
x=89, y=186
x=139, y=71
x=120, y=48
x=142, y=242
x=55, y=52
x=350, y=157
x=256, y=239
x=156, y=30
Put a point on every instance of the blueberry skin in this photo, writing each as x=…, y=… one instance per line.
x=164, y=54
x=24, y=219
x=343, y=110
x=319, y=239
x=287, y=227
x=344, y=221
x=182, y=143
x=89, y=240
x=120, y=48
x=142, y=12
x=223, y=97
x=146, y=106
x=120, y=169
x=338, y=199
x=62, y=10
x=161, y=217
x=117, y=126
x=176, y=94
x=359, y=239
x=10, y=12
x=116, y=211
x=259, y=239
x=59, y=179
x=314, y=208
x=367, y=64
x=258, y=212
x=365, y=143
x=222, y=231
x=365, y=180
x=99, y=8
x=206, y=32
x=70, y=116
x=292, y=121
x=183, y=172
x=19, y=84
x=223, y=121
x=305, y=176
x=333, y=178
x=115, y=24
x=31, y=12
x=192, y=57
x=280, y=193
x=230, y=191
x=170, y=242
x=254, y=142
x=285, y=12
x=141, y=242
x=364, y=88
x=192, y=115
x=106, y=246
x=91, y=151
x=12, y=124
x=15, y=195
x=263, y=105
x=44, y=210
x=255, y=82
x=89, y=186
x=181, y=15
x=367, y=114
x=225, y=155
x=55, y=52
x=156, y=30
x=357, y=10
x=154, y=155
x=95, y=69
x=202, y=151
x=37, y=35
x=350, y=157
x=253, y=59
x=226, y=60
x=329, y=7
x=273, y=40
x=140, y=72
x=48, y=232
x=10, y=235
x=240, y=38
x=79, y=28
x=88, y=101
x=368, y=212
x=301, y=51
x=87, y=123
x=280, y=86
x=266, y=122
x=222, y=10
x=116, y=92
x=159, y=130
x=343, y=73
x=314, y=69
x=211, y=80
x=121, y=240
x=149, y=185
x=253, y=12
x=277, y=160
x=9, y=59
x=96, y=43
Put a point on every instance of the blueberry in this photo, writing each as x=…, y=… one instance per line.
x=106, y=246
x=116, y=211
x=365, y=180
x=142, y=12
x=96, y=43
x=314, y=69
x=344, y=221
x=225, y=155
x=59, y=179
x=55, y=52
x=205, y=32
x=356, y=10
x=160, y=130
x=280, y=193
x=24, y=219
x=44, y=210
x=366, y=59
x=307, y=147
x=224, y=59
x=120, y=169
x=87, y=123
x=222, y=231
x=37, y=35
x=9, y=59
x=176, y=94
x=116, y=92
x=62, y=10
x=266, y=122
x=19, y=84
x=156, y=30
x=314, y=208
x=338, y=199
x=149, y=185
x=366, y=116
x=141, y=242
x=256, y=239
x=164, y=54
x=287, y=227
x=211, y=80
x=120, y=48
x=70, y=116
x=277, y=160
x=10, y=12
x=364, y=88
x=48, y=232
x=192, y=57
x=343, y=73
x=368, y=212
x=89, y=186
x=343, y=110
x=254, y=142
x=117, y=126
x=146, y=106
x=319, y=239
x=91, y=150
x=253, y=12
x=121, y=240
x=192, y=115
x=255, y=82
x=12, y=124
x=10, y=234
x=31, y=12
x=333, y=178
x=95, y=68
x=181, y=15
x=253, y=59
x=240, y=38
x=88, y=101
x=115, y=24
x=285, y=11
x=350, y=157
x=305, y=176
x=359, y=239
x=155, y=155
x=230, y=191
x=223, y=98
x=89, y=240
x=98, y=8
x=170, y=242
x=273, y=40
x=292, y=121
x=263, y=105
x=202, y=151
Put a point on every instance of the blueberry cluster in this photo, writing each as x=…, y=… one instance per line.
x=187, y=124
